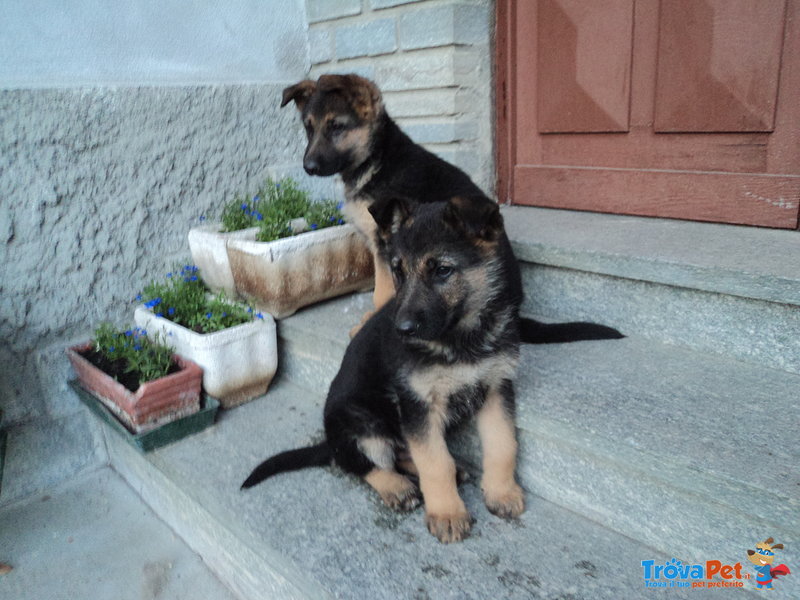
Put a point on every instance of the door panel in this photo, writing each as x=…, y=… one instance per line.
x=679, y=108
x=720, y=73
x=584, y=65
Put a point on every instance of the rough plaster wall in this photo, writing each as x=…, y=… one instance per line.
x=98, y=189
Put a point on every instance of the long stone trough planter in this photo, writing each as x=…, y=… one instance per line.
x=282, y=276
x=238, y=363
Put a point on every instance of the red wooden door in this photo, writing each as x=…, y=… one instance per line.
x=687, y=109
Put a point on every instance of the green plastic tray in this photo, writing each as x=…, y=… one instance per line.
x=166, y=434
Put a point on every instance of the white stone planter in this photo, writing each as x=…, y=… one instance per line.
x=210, y=254
x=238, y=363
x=281, y=276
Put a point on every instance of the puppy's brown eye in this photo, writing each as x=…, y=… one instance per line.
x=442, y=272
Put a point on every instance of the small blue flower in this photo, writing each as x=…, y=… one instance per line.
x=111, y=348
x=259, y=315
x=250, y=309
x=277, y=186
x=314, y=226
x=169, y=274
x=224, y=314
x=244, y=206
x=128, y=333
x=159, y=314
x=193, y=278
x=139, y=297
x=341, y=221
x=340, y=206
x=209, y=315
x=259, y=216
x=255, y=198
x=171, y=311
x=137, y=347
x=142, y=332
x=202, y=218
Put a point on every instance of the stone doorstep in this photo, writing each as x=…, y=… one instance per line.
x=318, y=533
x=607, y=427
x=750, y=262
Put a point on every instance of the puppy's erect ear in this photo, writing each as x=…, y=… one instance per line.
x=389, y=215
x=361, y=94
x=475, y=216
x=299, y=92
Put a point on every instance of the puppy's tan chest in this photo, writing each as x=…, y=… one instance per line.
x=436, y=384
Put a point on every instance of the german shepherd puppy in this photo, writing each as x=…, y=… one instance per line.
x=443, y=349
x=349, y=132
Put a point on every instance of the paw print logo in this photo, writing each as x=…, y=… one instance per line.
x=672, y=568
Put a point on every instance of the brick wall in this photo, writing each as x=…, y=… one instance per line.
x=431, y=58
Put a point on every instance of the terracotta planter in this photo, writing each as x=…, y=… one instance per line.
x=154, y=403
x=238, y=363
x=209, y=248
x=281, y=276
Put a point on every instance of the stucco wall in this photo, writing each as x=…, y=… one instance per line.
x=99, y=188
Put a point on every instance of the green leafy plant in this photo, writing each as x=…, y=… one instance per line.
x=274, y=206
x=133, y=351
x=184, y=299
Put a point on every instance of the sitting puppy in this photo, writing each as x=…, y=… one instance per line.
x=443, y=349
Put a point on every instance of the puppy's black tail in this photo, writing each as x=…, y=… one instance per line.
x=536, y=332
x=291, y=460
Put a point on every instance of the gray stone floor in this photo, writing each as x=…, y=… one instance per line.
x=94, y=538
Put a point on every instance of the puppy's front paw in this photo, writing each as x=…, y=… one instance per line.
x=507, y=503
x=449, y=528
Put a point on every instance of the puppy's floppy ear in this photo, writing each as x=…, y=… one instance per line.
x=477, y=217
x=361, y=94
x=389, y=215
x=299, y=92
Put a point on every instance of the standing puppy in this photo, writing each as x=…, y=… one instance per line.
x=443, y=349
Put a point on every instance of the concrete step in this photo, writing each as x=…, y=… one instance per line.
x=321, y=534
x=693, y=454
x=94, y=537
x=722, y=289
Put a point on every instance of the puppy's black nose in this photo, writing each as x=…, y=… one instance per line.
x=311, y=166
x=406, y=327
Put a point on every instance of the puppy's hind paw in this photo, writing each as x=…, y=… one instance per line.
x=404, y=501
